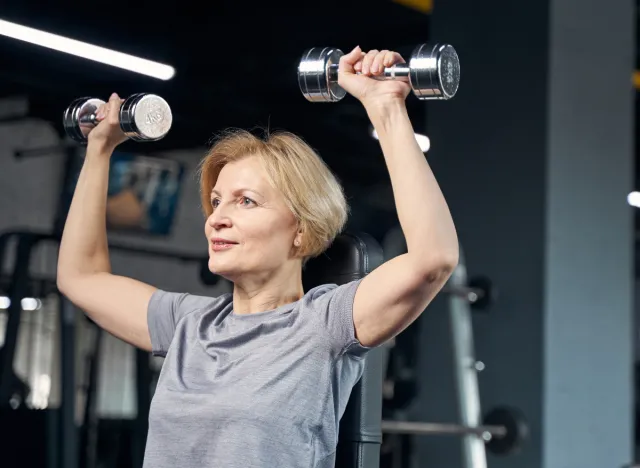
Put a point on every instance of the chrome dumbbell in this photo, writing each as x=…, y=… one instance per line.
x=433, y=72
x=143, y=117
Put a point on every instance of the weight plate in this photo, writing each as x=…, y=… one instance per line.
x=489, y=293
x=153, y=117
x=145, y=117
x=315, y=78
x=127, y=116
x=448, y=71
x=434, y=71
x=517, y=430
x=78, y=118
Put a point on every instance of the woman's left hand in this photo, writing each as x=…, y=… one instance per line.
x=356, y=74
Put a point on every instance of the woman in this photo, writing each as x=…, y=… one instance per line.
x=261, y=377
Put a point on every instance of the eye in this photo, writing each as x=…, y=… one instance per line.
x=246, y=201
x=215, y=202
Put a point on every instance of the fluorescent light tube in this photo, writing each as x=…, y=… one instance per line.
x=88, y=51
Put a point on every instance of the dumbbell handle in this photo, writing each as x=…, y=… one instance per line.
x=88, y=119
x=399, y=71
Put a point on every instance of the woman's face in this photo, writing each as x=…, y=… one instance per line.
x=251, y=229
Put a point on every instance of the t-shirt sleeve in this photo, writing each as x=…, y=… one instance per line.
x=165, y=310
x=335, y=310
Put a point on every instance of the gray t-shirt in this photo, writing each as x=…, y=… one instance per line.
x=262, y=390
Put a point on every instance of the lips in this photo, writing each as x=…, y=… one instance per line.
x=220, y=241
x=218, y=245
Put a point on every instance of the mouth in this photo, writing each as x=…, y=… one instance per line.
x=218, y=245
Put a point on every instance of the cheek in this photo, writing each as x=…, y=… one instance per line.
x=271, y=236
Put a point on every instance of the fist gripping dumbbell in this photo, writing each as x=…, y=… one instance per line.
x=432, y=71
x=143, y=117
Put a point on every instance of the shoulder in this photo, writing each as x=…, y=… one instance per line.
x=322, y=295
x=329, y=307
x=171, y=311
x=318, y=296
x=319, y=291
x=181, y=305
x=329, y=300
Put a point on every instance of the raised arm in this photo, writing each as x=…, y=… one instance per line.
x=390, y=298
x=117, y=304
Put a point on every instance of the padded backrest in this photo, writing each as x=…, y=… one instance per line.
x=350, y=258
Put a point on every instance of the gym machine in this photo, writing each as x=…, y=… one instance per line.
x=501, y=431
x=69, y=448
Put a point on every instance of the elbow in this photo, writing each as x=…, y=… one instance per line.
x=62, y=283
x=450, y=261
x=65, y=280
x=438, y=269
x=67, y=274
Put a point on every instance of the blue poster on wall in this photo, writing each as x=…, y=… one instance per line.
x=143, y=192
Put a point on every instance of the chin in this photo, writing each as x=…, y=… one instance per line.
x=219, y=268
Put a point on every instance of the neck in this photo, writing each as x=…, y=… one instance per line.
x=268, y=291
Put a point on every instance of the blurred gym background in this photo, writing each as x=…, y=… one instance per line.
x=536, y=155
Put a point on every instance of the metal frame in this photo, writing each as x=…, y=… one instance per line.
x=425, y=428
x=474, y=435
x=64, y=450
x=465, y=371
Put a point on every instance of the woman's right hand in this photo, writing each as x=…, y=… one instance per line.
x=108, y=132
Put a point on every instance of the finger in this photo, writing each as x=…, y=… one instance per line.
x=347, y=61
x=114, y=108
x=101, y=112
x=377, y=67
x=391, y=58
x=358, y=66
x=367, y=61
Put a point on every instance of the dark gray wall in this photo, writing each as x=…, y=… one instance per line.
x=589, y=238
x=535, y=158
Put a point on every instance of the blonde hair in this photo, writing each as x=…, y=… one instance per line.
x=310, y=189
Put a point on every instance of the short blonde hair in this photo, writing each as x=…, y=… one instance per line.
x=310, y=189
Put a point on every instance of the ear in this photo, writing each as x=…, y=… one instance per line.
x=297, y=241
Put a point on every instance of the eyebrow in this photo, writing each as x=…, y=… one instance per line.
x=215, y=192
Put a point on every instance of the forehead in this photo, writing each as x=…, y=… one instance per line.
x=247, y=172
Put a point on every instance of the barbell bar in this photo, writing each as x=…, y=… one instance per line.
x=468, y=293
x=423, y=428
x=504, y=429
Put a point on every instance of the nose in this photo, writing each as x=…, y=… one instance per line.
x=219, y=219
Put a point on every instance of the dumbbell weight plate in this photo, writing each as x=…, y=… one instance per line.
x=434, y=71
x=489, y=294
x=517, y=430
x=145, y=117
x=78, y=119
x=314, y=75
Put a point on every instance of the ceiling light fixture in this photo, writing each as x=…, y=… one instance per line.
x=422, y=140
x=88, y=51
x=633, y=199
x=27, y=303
